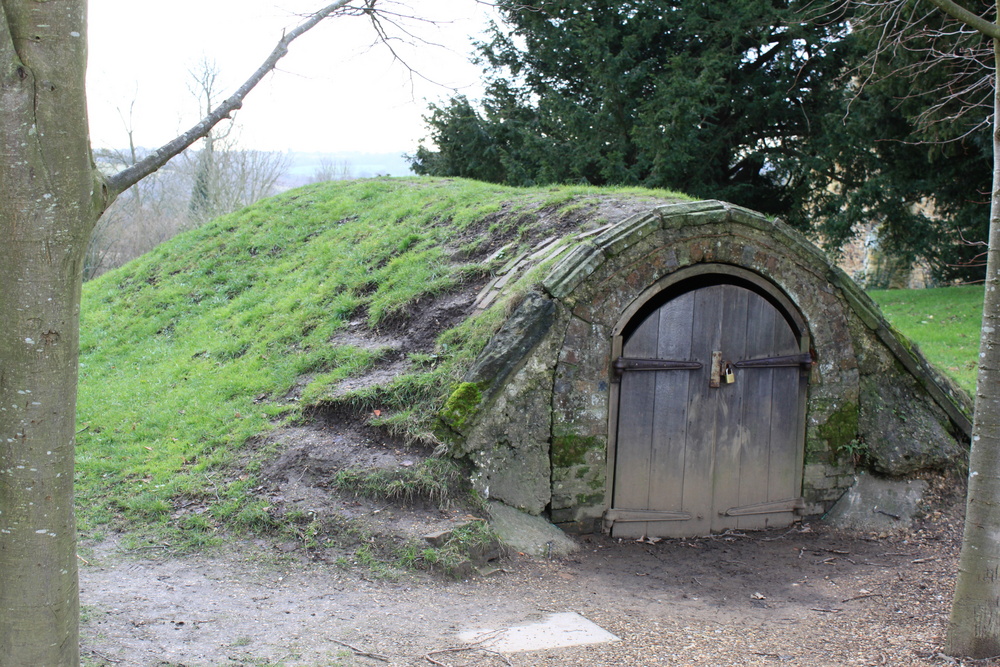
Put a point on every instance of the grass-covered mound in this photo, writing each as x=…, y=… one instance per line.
x=303, y=346
x=346, y=300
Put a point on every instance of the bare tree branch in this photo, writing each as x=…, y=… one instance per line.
x=962, y=14
x=128, y=177
x=909, y=43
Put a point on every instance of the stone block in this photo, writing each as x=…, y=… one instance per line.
x=507, y=349
x=528, y=534
x=903, y=434
x=627, y=233
x=573, y=269
x=876, y=504
x=519, y=476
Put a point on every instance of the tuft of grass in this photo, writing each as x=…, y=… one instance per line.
x=945, y=322
x=467, y=547
x=439, y=481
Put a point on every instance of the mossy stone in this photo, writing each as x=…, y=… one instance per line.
x=841, y=428
x=570, y=450
x=461, y=405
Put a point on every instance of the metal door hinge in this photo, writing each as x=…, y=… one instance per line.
x=777, y=362
x=623, y=364
x=788, y=505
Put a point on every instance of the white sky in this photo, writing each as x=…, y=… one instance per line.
x=335, y=91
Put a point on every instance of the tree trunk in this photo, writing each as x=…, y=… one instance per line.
x=51, y=196
x=974, y=626
x=47, y=211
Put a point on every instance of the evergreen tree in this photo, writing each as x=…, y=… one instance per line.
x=715, y=99
x=756, y=102
x=913, y=153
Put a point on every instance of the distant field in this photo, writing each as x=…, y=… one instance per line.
x=943, y=321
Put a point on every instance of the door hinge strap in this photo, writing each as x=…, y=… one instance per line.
x=789, y=505
x=777, y=362
x=613, y=515
x=623, y=364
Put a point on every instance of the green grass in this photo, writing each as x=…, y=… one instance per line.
x=193, y=350
x=438, y=481
x=944, y=322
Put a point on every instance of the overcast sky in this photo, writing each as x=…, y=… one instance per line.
x=335, y=91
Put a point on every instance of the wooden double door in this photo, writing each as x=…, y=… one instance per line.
x=710, y=419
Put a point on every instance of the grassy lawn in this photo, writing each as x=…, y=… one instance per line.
x=944, y=322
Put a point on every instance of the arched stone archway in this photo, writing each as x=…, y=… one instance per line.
x=538, y=417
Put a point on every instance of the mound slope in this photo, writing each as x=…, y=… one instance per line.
x=231, y=374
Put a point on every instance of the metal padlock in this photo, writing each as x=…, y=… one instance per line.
x=730, y=375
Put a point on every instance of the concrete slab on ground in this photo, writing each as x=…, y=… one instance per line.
x=555, y=631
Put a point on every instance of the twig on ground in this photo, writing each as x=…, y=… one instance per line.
x=785, y=534
x=862, y=597
x=456, y=649
x=215, y=487
x=357, y=651
x=102, y=656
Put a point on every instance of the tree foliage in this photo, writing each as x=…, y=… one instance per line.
x=713, y=98
x=913, y=151
x=756, y=102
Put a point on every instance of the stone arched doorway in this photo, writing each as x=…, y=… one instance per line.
x=707, y=407
x=538, y=412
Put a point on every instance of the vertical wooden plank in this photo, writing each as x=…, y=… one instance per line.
x=756, y=418
x=666, y=483
x=637, y=397
x=785, y=471
x=702, y=407
x=614, y=394
x=729, y=434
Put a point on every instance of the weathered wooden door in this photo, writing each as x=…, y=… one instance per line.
x=697, y=452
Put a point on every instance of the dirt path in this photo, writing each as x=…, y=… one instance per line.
x=809, y=596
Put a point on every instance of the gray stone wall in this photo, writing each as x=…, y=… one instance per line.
x=539, y=429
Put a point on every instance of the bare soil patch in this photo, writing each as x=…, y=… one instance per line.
x=806, y=596
x=300, y=479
